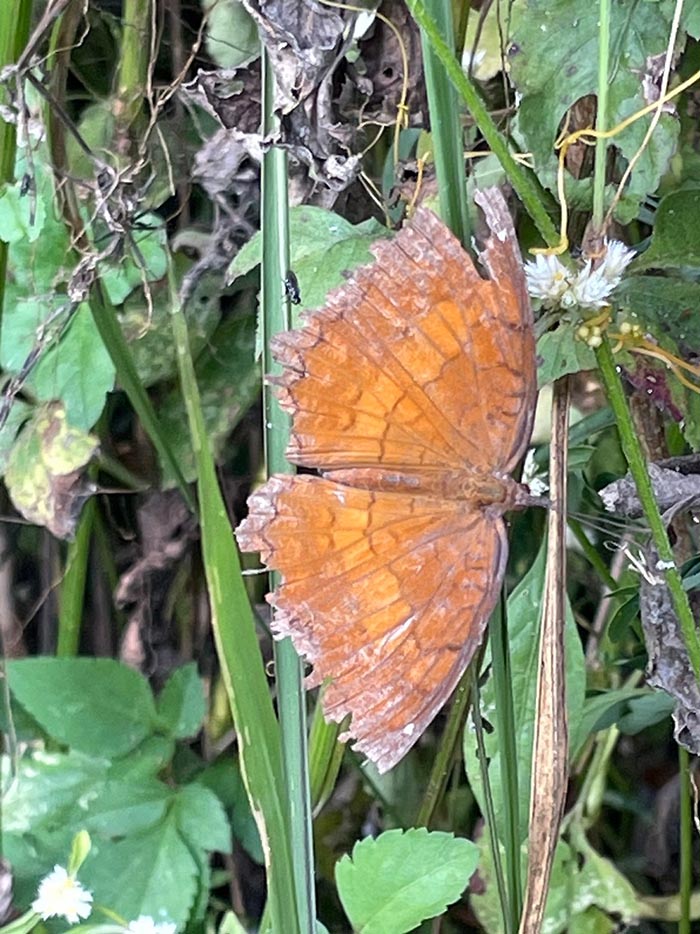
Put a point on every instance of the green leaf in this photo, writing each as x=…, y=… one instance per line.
x=229, y=383
x=663, y=305
x=44, y=471
x=97, y=706
x=232, y=35
x=121, y=277
x=553, y=60
x=583, y=887
x=524, y=611
x=394, y=882
x=149, y=334
x=181, y=703
x=224, y=779
x=560, y=352
x=152, y=873
x=46, y=791
x=17, y=415
x=652, y=707
x=323, y=246
x=122, y=808
x=16, y=221
x=675, y=242
x=79, y=851
x=201, y=819
x=77, y=370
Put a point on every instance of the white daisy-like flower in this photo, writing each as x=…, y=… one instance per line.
x=617, y=258
x=591, y=288
x=144, y=924
x=61, y=895
x=556, y=286
x=547, y=278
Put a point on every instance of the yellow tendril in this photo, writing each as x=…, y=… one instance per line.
x=588, y=137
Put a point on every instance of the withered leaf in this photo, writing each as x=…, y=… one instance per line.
x=45, y=473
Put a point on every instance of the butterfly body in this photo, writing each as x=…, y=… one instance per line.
x=412, y=393
x=469, y=486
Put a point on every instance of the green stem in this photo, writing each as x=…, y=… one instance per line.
x=72, y=594
x=452, y=733
x=506, y=912
x=132, y=73
x=505, y=727
x=242, y=670
x=15, y=21
x=632, y=450
x=686, y=834
x=591, y=554
x=275, y=317
x=602, y=115
x=522, y=181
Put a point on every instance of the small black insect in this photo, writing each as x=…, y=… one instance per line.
x=26, y=185
x=291, y=288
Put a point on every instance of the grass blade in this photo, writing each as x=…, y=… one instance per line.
x=239, y=654
x=274, y=318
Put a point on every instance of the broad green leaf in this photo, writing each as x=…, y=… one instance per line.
x=44, y=471
x=524, y=610
x=46, y=790
x=78, y=371
x=18, y=413
x=394, y=882
x=560, y=352
x=149, y=334
x=553, y=60
x=675, y=242
x=323, y=246
x=94, y=705
x=584, y=886
x=152, y=873
x=667, y=308
x=232, y=35
x=181, y=703
x=123, y=808
x=652, y=707
x=224, y=779
x=201, y=819
x=16, y=210
x=663, y=305
x=146, y=258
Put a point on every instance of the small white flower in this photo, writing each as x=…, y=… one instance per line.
x=62, y=895
x=547, y=278
x=146, y=925
x=591, y=288
x=554, y=285
x=617, y=258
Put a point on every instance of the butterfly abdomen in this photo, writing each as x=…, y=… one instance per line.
x=468, y=486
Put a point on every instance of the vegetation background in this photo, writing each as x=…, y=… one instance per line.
x=139, y=192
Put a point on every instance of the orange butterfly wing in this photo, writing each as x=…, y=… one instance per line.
x=417, y=360
x=385, y=594
x=416, y=365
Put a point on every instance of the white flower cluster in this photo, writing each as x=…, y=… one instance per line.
x=60, y=895
x=556, y=286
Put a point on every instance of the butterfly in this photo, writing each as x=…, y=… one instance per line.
x=412, y=393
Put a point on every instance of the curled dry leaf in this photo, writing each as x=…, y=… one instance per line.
x=413, y=393
x=328, y=102
x=668, y=667
x=670, y=490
